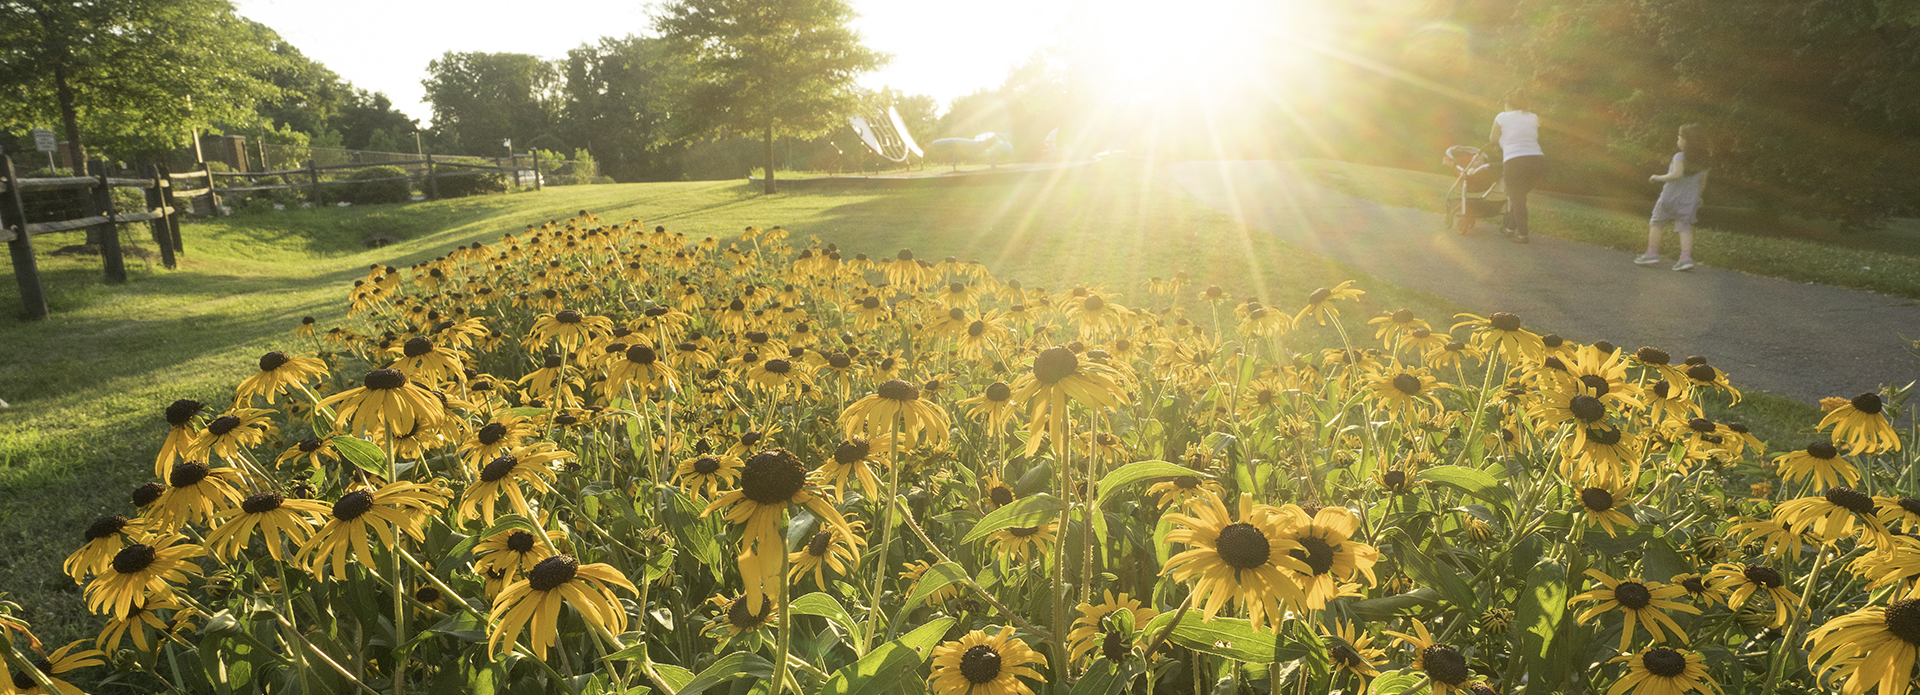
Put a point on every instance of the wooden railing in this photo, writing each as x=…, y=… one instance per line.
x=159, y=212
x=428, y=175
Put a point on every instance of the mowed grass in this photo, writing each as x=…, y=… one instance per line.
x=1884, y=260
x=88, y=385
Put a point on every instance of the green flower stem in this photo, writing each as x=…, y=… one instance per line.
x=784, y=646
x=907, y=515
x=886, y=536
x=1057, y=428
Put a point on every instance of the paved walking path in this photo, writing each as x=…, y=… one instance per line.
x=1795, y=340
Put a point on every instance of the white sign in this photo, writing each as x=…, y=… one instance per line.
x=42, y=140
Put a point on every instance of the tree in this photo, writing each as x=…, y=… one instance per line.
x=122, y=71
x=768, y=67
x=619, y=95
x=481, y=99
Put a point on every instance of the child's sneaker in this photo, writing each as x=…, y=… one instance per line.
x=1684, y=264
x=1647, y=259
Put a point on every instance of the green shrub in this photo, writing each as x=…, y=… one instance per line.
x=472, y=184
x=365, y=191
x=290, y=197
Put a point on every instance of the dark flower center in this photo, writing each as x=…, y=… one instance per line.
x=773, y=476
x=851, y=450
x=706, y=465
x=521, y=542
x=897, y=390
x=385, y=379
x=308, y=446
x=1001, y=495
x=133, y=558
x=222, y=425
x=262, y=503
x=1053, y=364
x=1868, y=403
x=1851, y=500
x=1444, y=663
x=1652, y=355
x=1587, y=408
x=1023, y=531
x=1738, y=428
x=188, y=473
x=352, y=505
x=416, y=347
x=1596, y=499
x=1903, y=620
x=1702, y=373
x=1909, y=505
x=1394, y=479
x=180, y=411
x=977, y=328
x=1605, y=347
x=1554, y=364
x=498, y=468
x=980, y=664
x=751, y=438
x=1319, y=295
x=999, y=392
x=839, y=360
x=1662, y=388
x=1407, y=384
x=1420, y=333
x=1701, y=425
x=1595, y=382
x=491, y=434
x=146, y=494
x=740, y=616
x=642, y=355
x=1664, y=662
x=1315, y=552
x=273, y=360
x=1503, y=321
x=1114, y=646
x=818, y=546
x=1343, y=656
x=870, y=302
x=905, y=255
x=105, y=526
x=1243, y=546
x=1764, y=576
x=1694, y=585
x=1552, y=340
x=552, y=572
x=1093, y=303
x=1602, y=437
x=568, y=316
x=1822, y=450
x=779, y=366
x=1633, y=595
x=426, y=594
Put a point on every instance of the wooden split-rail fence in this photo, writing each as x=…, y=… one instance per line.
x=162, y=190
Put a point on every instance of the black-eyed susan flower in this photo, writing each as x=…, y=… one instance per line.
x=1834, y=515
x=770, y=481
x=1184, y=489
x=385, y=399
x=142, y=622
x=180, y=415
x=994, y=407
x=1899, y=513
x=1395, y=324
x=531, y=466
x=1745, y=581
x=277, y=518
x=506, y=555
x=1702, y=589
x=1862, y=425
x=195, y=493
x=1057, y=376
x=309, y=453
x=1643, y=603
x=982, y=664
x=426, y=363
x=1702, y=375
x=535, y=603
x=1017, y=544
x=1444, y=665
x=1501, y=333
x=638, y=366
x=1327, y=548
x=831, y=548
x=279, y=372
x=569, y=328
x=1873, y=646
x=61, y=662
x=852, y=459
x=360, y=516
x=1091, y=628
x=706, y=474
x=741, y=617
x=232, y=431
x=1771, y=537
x=913, y=572
x=142, y=571
x=1320, y=302
x=105, y=537
x=1407, y=393
x=896, y=408
x=1350, y=650
x=1664, y=671
x=1820, y=461
x=1598, y=505
x=1245, y=561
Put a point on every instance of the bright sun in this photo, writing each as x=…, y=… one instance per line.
x=1192, y=48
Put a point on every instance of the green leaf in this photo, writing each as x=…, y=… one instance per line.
x=1142, y=471
x=1375, y=610
x=935, y=578
x=1026, y=511
x=879, y=672
x=362, y=453
x=1395, y=683
x=501, y=525
x=729, y=667
x=1536, y=621
x=1233, y=638
x=1435, y=574
x=528, y=412
x=1100, y=679
x=826, y=606
x=1475, y=482
x=1663, y=561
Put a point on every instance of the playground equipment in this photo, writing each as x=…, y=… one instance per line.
x=889, y=139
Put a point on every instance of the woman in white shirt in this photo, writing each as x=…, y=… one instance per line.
x=1517, y=131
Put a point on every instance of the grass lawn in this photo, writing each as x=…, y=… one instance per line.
x=1884, y=260
x=88, y=385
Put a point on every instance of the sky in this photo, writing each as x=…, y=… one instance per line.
x=385, y=45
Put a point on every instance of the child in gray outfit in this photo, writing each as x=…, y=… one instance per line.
x=1679, y=200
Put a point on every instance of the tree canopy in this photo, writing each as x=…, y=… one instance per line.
x=482, y=99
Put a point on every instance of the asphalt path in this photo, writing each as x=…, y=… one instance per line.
x=1801, y=341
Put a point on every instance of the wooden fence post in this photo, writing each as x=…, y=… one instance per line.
x=433, y=183
x=26, y=270
x=213, y=196
x=313, y=175
x=110, y=257
x=156, y=201
x=536, y=170
x=173, y=220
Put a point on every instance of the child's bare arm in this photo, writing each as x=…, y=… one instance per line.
x=1674, y=172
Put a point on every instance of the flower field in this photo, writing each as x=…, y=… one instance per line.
x=605, y=457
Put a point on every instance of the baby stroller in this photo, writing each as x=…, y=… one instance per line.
x=1473, y=172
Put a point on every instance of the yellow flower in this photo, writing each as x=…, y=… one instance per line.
x=533, y=604
x=60, y=662
x=1320, y=302
x=770, y=481
x=279, y=372
x=1443, y=664
x=1873, y=646
x=979, y=664
x=1643, y=603
x=233, y=430
x=1059, y=375
x=1822, y=462
x=1746, y=580
x=531, y=466
x=362, y=515
x=1089, y=628
x=140, y=572
x=386, y=399
x=832, y=548
x=274, y=515
x=1664, y=671
x=1250, y=560
x=1861, y=424
x=896, y=407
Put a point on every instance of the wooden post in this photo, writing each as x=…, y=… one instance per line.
x=156, y=200
x=26, y=270
x=110, y=257
x=213, y=195
x=433, y=183
x=173, y=220
x=536, y=170
x=314, y=176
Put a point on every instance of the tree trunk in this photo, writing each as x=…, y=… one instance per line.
x=770, y=187
x=70, y=116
